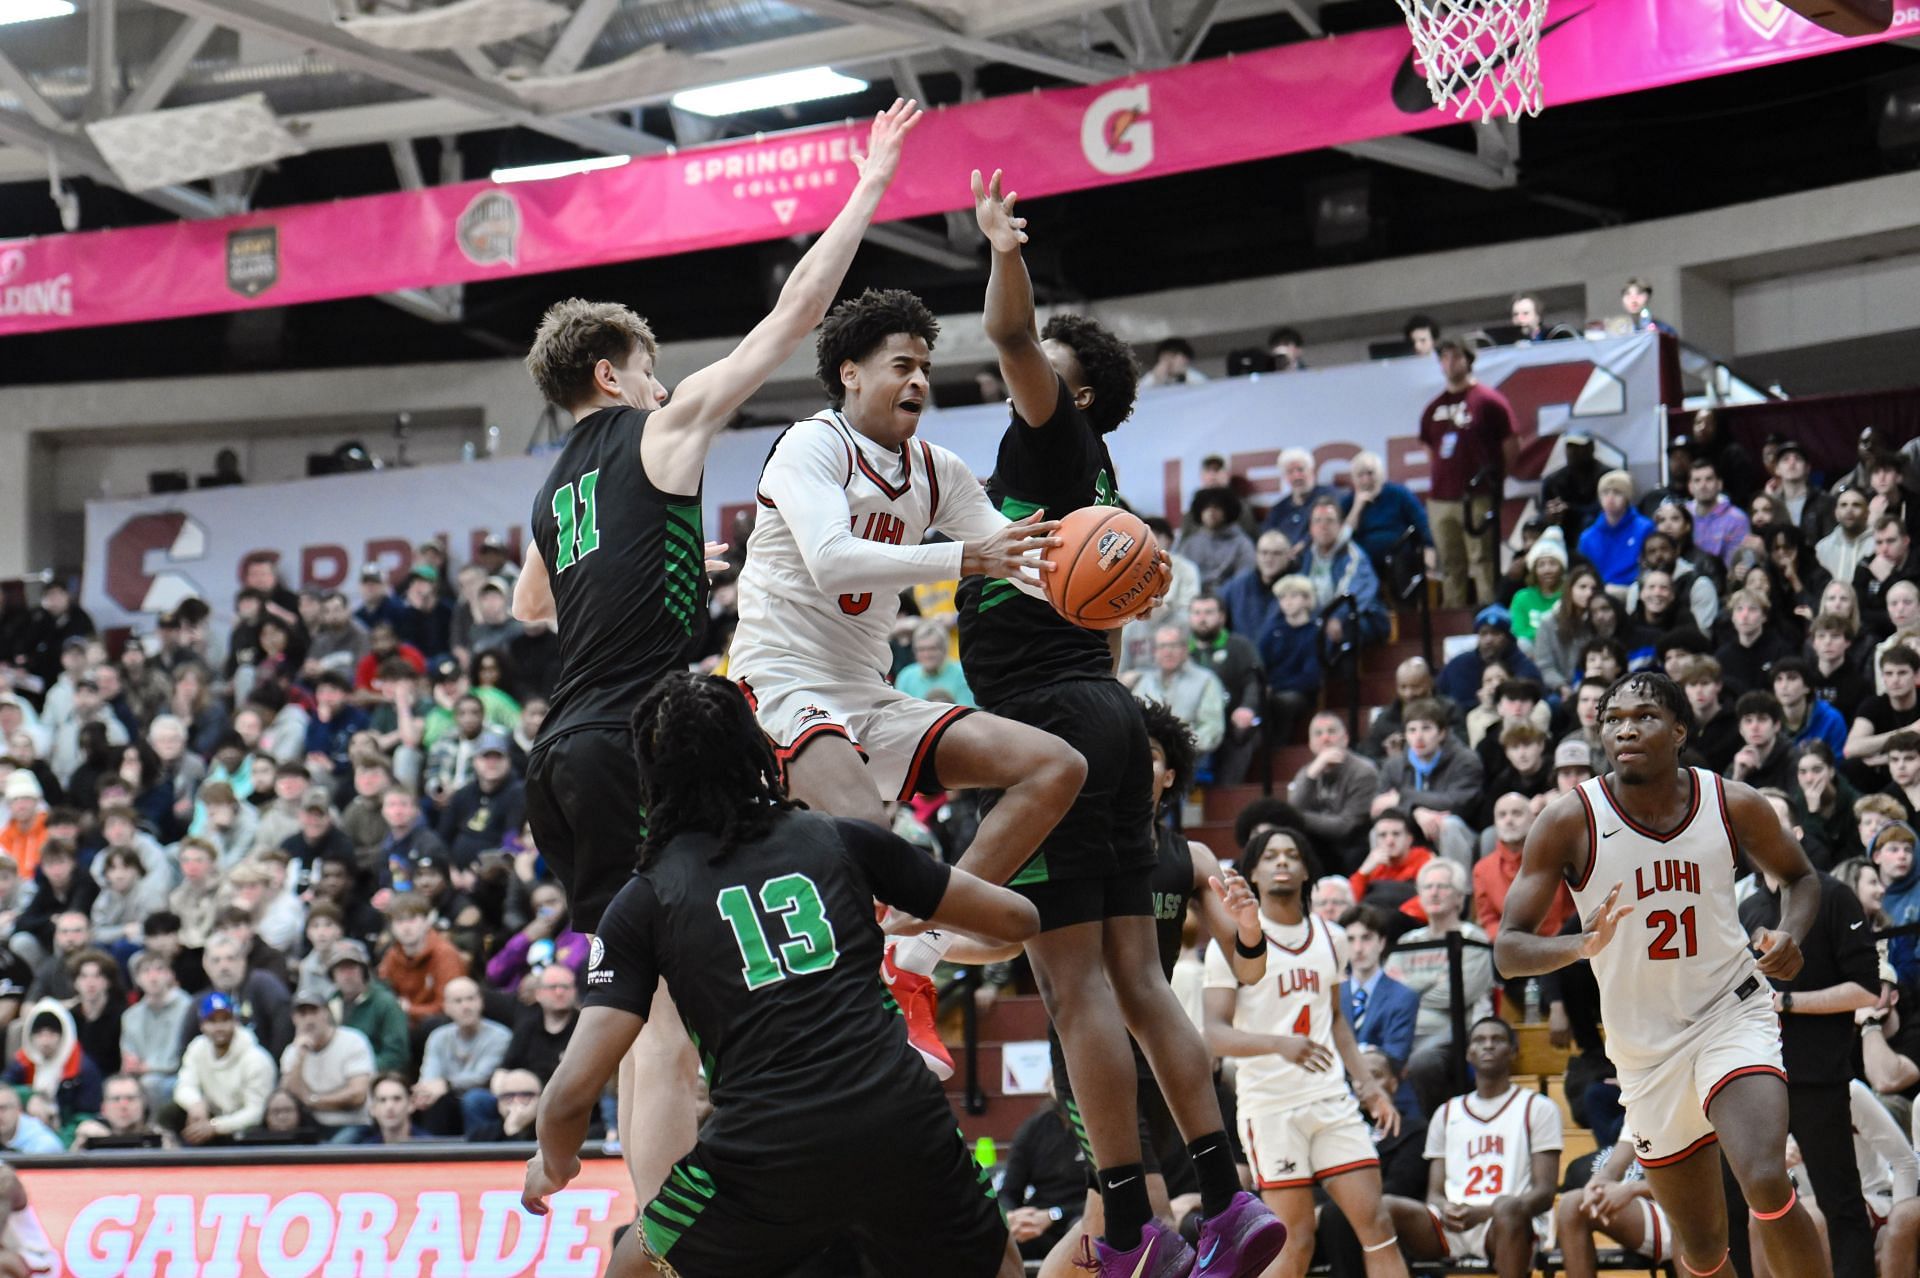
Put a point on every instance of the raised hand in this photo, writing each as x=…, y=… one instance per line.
x=1602, y=925
x=1005, y=552
x=994, y=212
x=886, y=140
x=1238, y=899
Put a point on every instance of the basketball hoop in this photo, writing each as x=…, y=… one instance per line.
x=1481, y=57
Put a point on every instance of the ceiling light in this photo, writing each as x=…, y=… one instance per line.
x=763, y=92
x=558, y=169
x=33, y=10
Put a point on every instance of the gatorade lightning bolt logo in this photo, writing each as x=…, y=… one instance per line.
x=1114, y=546
x=1115, y=134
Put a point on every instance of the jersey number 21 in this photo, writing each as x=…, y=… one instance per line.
x=795, y=900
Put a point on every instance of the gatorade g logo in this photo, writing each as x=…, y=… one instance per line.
x=1114, y=546
x=1766, y=17
x=1115, y=133
x=167, y=540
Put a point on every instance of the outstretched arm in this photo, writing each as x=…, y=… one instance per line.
x=1230, y=912
x=1009, y=317
x=674, y=448
x=1555, y=843
x=600, y=1041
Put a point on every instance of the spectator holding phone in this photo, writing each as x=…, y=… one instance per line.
x=546, y=939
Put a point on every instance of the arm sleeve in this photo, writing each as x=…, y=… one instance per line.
x=1544, y=1127
x=506, y=967
x=805, y=479
x=629, y=970
x=898, y=873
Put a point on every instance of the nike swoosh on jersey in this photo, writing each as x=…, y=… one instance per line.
x=1615, y=830
x=1409, y=92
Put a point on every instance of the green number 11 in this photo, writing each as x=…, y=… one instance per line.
x=579, y=534
x=811, y=946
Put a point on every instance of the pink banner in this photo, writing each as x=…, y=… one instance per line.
x=1298, y=97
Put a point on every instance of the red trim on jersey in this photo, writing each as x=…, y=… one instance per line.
x=846, y=443
x=933, y=482
x=1286, y=1184
x=929, y=742
x=1653, y=1214
x=1439, y=1229
x=1693, y=810
x=1707, y=1104
x=746, y=690
x=1513, y=1096
x=1304, y=945
x=859, y=458
x=764, y=500
x=785, y=755
x=1726, y=819
x=1709, y=1139
x=1344, y=1168
x=1593, y=838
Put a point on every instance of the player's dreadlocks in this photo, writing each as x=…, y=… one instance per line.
x=855, y=329
x=705, y=764
x=1663, y=690
x=1106, y=361
x=1177, y=746
x=1257, y=847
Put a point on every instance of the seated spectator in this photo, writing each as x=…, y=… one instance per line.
x=451, y=1096
x=518, y=1094
x=1849, y=541
x=1717, y=724
x=1435, y=778
x=449, y=685
x=1336, y=570
x=21, y=1132
x=285, y=1121
x=128, y=897
x=362, y=820
x=225, y=1077
x=125, y=1118
x=1612, y=541
x=1493, y=644
x=1565, y=631
x=152, y=1030
x=98, y=1006
x=1765, y=760
x=1172, y=365
x=1192, y=692
x=237, y=921
x=1903, y=769
x=1290, y=655
x=934, y=666
x=1546, y=562
x=1331, y=898
x=226, y=825
x=255, y=996
x=1523, y=771
x=547, y=938
x=1044, y=1188
x=391, y=1116
x=480, y=815
x=58, y=891
x=1443, y=895
x=540, y=1037
x=1386, y=878
x=1250, y=597
x=25, y=831
x=281, y=819
x=450, y=759
x=1719, y=526
x=1235, y=662
x=1807, y=717
x=1213, y=538
x=198, y=898
x=1891, y=850
x=327, y=1068
x=369, y=1007
x=52, y=1063
x=408, y=835
x=1522, y=700
x=1412, y=681
x=419, y=963
x=1616, y=1200
x=1570, y=496
x=1378, y=514
x=1822, y=803
x=1334, y=792
x=1288, y=515
x=425, y=620
x=1894, y=559
x=1381, y=1010
x=1877, y=718
x=53, y=978
x=1746, y=656
x=1493, y=874
x=493, y=626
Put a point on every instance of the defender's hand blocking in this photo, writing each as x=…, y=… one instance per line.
x=1017, y=546
x=1603, y=924
x=994, y=212
x=886, y=140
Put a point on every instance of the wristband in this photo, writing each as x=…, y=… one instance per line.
x=1786, y=1001
x=1244, y=950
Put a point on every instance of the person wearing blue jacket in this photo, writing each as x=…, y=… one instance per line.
x=1290, y=651
x=1892, y=853
x=1612, y=541
x=1377, y=513
x=1336, y=568
x=1459, y=680
x=1809, y=718
x=1249, y=595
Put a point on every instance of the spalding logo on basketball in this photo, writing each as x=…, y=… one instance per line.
x=1107, y=570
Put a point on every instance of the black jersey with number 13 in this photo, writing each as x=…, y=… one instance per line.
x=628, y=567
x=1010, y=642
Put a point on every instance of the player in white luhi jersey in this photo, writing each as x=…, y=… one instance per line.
x=1689, y=1023
x=1296, y=1052
x=1493, y=1161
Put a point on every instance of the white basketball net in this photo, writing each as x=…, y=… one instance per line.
x=1482, y=57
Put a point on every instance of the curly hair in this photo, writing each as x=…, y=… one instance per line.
x=705, y=764
x=856, y=328
x=1175, y=739
x=1669, y=695
x=1107, y=363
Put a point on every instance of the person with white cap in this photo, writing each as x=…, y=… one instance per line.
x=25, y=832
x=1546, y=578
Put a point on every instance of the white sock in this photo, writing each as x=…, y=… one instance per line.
x=921, y=953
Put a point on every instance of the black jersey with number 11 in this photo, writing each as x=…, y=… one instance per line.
x=628, y=567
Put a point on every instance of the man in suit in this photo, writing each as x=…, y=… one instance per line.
x=1381, y=1010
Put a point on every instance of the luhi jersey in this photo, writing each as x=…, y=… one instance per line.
x=839, y=536
x=1682, y=953
x=1489, y=1144
x=1305, y=963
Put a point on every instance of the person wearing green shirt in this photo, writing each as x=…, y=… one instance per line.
x=1546, y=578
x=366, y=1005
x=933, y=667
x=449, y=685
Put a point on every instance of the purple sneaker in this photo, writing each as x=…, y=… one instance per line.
x=1161, y=1254
x=1241, y=1241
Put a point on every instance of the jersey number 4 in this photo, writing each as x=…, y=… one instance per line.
x=579, y=532
x=1667, y=923
x=795, y=900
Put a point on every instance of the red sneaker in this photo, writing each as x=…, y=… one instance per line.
x=920, y=1004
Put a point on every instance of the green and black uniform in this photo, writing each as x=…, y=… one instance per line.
x=628, y=568
x=825, y=1122
x=1162, y=1147
x=1026, y=662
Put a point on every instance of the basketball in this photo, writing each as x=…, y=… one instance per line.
x=1106, y=570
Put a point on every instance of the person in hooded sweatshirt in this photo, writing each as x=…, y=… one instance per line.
x=1892, y=851
x=51, y=1063
x=224, y=1081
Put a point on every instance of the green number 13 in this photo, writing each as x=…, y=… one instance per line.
x=579, y=532
x=795, y=899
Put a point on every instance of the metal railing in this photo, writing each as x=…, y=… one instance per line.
x=1409, y=551
x=1347, y=649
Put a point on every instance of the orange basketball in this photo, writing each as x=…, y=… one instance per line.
x=1106, y=569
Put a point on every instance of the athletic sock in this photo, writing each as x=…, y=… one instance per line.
x=1123, y=1192
x=1213, y=1166
x=921, y=953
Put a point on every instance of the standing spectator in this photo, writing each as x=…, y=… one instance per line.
x=46, y=629
x=1468, y=431
x=1571, y=495
x=152, y=1029
x=1719, y=526
x=934, y=666
x=327, y=1068
x=420, y=963
x=1850, y=541
x=460, y=1061
x=1381, y=1010
x=1172, y=365
x=1334, y=792
x=1213, y=538
x=1442, y=885
x=1812, y=511
x=369, y=1007
x=1290, y=655
x=480, y=815
x=225, y=1078
x=1193, y=694
x=1249, y=597
x=1288, y=515
x=1379, y=513
x=1840, y=975
x=1612, y=541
